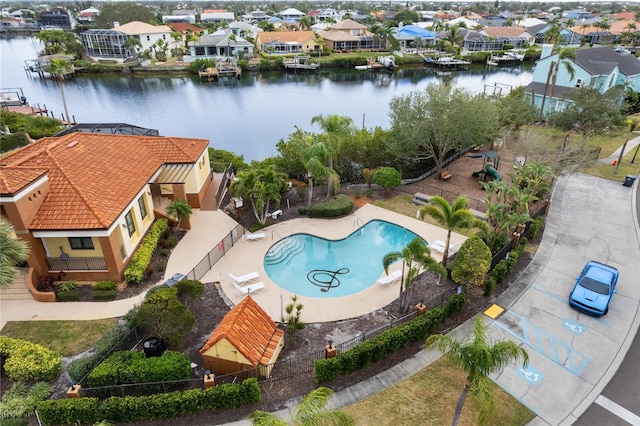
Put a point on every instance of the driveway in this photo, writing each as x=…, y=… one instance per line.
x=572, y=355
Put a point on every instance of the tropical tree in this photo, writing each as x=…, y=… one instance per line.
x=181, y=210
x=311, y=411
x=450, y=216
x=430, y=124
x=260, y=186
x=305, y=23
x=564, y=56
x=478, y=357
x=132, y=45
x=177, y=41
x=385, y=34
x=123, y=13
x=12, y=252
x=336, y=128
x=59, y=68
x=313, y=155
x=416, y=256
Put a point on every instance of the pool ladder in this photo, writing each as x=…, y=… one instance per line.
x=358, y=221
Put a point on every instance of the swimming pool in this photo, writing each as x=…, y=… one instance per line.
x=312, y=266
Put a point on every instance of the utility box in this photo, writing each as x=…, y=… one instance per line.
x=628, y=181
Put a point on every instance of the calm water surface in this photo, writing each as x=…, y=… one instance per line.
x=247, y=117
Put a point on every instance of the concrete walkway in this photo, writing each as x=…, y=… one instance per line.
x=631, y=144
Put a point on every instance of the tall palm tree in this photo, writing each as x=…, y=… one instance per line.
x=450, y=216
x=12, y=251
x=132, y=45
x=564, y=56
x=177, y=41
x=416, y=256
x=181, y=210
x=478, y=357
x=310, y=411
x=260, y=186
x=59, y=68
x=336, y=128
x=305, y=23
x=313, y=155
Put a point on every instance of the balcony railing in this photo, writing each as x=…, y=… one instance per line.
x=77, y=264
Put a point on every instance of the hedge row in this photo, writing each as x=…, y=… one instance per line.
x=28, y=361
x=134, y=367
x=502, y=269
x=134, y=273
x=78, y=368
x=340, y=205
x=386, y=343
x=74, y=411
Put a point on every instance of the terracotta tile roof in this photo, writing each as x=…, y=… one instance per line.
x=286, y=36
x=616, y=27
x=182, y=27
x=348, y=25
x=13, y=179
x=497, y=32
x=250, y=330
x=93, y=177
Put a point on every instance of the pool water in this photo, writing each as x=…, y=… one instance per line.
x=312, y=266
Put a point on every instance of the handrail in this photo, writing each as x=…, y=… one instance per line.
x=358, y=220
x=276, y=232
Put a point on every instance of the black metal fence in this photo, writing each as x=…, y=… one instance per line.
x=76, y=264
x=141, y=389
x=216, y=253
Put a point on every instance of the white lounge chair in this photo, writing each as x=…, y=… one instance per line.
x=255, y=236
x=274, y=215
x=439, y=245
x=390, y=278
x=242, y=279
x=248, y=289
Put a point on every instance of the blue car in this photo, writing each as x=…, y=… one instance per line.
x=594, y=288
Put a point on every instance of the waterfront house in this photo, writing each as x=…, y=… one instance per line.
x=515, y=37
x=222, y=43
x=113, y=44
x=56, y=17
x=246, y=339
x=408, y=34
x=84, y=201
x=617, y=29
x=147, y=34
x=244, y=30
x=597, y=67
x=349, y=35
x=287, y=42
x=291, y=14
x=185, y=29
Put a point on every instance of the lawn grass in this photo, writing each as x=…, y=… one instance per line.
x=65, y=337
x=429, y=398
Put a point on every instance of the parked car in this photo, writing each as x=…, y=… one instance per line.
x=594, y=288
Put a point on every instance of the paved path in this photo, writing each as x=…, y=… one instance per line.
x=631, y=144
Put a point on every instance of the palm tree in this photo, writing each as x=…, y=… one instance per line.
x=181, y=210
x=310, y=411
x=313, y=154
x=305, y=23
x=13, y=251
x=416, y=256
x=564, y=55
x=59, y=67
x=177, y=39
x=478, y=357
x=132, y=44
x=336, y=128
x=455, y=36
x=633, y=126
x=260, y=186
x=450, y=216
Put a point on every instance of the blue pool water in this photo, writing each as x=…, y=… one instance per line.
x=312, y=266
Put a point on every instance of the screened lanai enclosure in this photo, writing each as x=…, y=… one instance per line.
x=108, y=44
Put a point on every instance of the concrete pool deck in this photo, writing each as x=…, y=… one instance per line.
x=247, y=256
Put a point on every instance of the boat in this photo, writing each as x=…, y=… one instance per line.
x=302, y=62
x=509, y=57
x=446, y=61
x=380, y=63
x=12, y=97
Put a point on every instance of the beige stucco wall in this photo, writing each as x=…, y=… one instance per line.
x=54, y=244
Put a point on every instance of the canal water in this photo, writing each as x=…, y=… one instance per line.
x=247, y=117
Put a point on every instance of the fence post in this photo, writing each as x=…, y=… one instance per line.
x=330, y=350
x=548, y=207
x=421, y=308
x=74, y=391
x=516, y=239
x=209, y=379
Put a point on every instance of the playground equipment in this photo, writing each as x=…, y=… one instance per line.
x=490, y=164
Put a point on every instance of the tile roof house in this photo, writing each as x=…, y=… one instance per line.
x=283, y=42
x=220, y=44
x=514, y=36
x=597, y=67
x=84, y=201
x=246, y=339
x=350, y=35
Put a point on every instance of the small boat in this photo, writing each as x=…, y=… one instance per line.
x=507, y=58
x=12, y=97
x=446, y=61
x=302, y=62
x=380, y=63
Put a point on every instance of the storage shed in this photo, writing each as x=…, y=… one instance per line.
x=246, y=339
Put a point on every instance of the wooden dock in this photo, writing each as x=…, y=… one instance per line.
x=226, y=67
x=300, y=63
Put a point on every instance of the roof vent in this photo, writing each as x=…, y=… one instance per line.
x=72, y=144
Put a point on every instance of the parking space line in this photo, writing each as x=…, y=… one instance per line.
x=563, y=299
x=518, y=327
x=618, y=410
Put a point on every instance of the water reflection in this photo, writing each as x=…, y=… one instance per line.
x=246, y=116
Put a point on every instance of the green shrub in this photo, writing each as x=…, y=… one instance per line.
x=489, y=285
x=67, y=286
x=28, y=361
x=534, y=227
x=339, y=205
x=134, y=367
x=105, y=285
x=135, y=271
x=104, y=294
x=387, y=177
x=164, y=252
x=472, y=262
x=500, y=271
x=163, y=315
x=13, y=141
x=80, y=367
x=20, y=400
x=149, y=408
x=303, y=210
x=68, y=296
x=189, y=289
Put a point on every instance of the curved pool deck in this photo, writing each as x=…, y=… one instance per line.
x=247, y=256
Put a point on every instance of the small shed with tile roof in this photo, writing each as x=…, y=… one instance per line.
x=247, y=339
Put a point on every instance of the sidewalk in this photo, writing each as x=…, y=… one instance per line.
x=615, y=155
